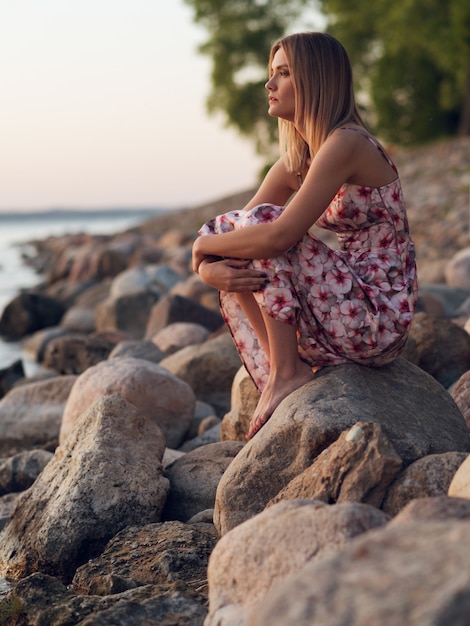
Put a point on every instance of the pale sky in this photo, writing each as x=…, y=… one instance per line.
x=102, y=104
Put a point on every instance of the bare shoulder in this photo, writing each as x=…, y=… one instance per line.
x=346, y=138
x=339, y=151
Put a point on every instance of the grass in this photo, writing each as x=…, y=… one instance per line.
x=10, y=607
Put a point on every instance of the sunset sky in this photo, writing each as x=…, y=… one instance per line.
x=103, y=104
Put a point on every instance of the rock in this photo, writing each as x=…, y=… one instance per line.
x=7, y=506
x=261, y=553
x=31, y=414
x=208, y=423
x=128, y=313
x=156, y=278
x=137, y=349
x=202, y=412
x=45, y=600
x=73, y=354
x=358, y=467
x=29, y=312
x=35, y=345
x=170, y=456
x=194, y=479
x=173, y=606
x=433, y=509
x=388, y=576
x=209, y=369
x=92, y=294
x=457, y=270
x=212, y=435
x=10, y=375
x=80, y=314
x=450, y=298
x=76, y=293
x=180, y=335
x=194, y=289
x=79, y=320
x=156, y=392
x=88, y=492
x=19, y=472
x=417, y=415
x=173, y=308
x=460, y=485
x=428, y=476
x=244, y=399
x=431, y=305
x=105, y=259
x=460, y=392
x=154, y=554
x=443, y=347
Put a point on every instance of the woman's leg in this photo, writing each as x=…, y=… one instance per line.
x=287, y=372
x=251, y=309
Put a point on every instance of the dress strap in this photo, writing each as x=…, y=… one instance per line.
x=374, y=142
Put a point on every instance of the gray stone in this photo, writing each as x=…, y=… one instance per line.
x=417, y=415
x=87, y=493
x=414, y=574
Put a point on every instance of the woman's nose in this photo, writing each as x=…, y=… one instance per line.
x=268, y=85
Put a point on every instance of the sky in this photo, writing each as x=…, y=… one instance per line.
x=102, y=104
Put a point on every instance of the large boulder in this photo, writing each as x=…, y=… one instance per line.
x=31, y=414
x=194, y=478
x=45, y=600
x=156, y=392
x=91, y=489
x=457, y=269
x=28, y=312
x=244, y=399
x=209, y=368
x=173, y=308
x=358, y=467
x=73, y=354
x=18, y=472
x=416, y=414
x=415, y=574
x=460, y=392
x=443, y=347
x=259, y=554
x=429, y=476
x=179, y=335
x=131, y=559
x=128, y=313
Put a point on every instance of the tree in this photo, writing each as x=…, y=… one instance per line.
x=411, y=61
x=241, y=33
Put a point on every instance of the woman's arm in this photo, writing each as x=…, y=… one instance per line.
x=334, y=164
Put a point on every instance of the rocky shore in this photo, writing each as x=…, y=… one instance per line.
x=129, y=494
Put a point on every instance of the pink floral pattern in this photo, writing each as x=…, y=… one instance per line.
x=351, y=304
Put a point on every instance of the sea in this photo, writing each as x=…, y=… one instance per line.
x=18, y=229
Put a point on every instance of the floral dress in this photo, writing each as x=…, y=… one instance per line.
x=353, y=304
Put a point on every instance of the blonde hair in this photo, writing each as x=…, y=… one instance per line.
x=324, y=94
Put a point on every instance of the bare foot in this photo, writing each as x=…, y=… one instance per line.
x=277, y=388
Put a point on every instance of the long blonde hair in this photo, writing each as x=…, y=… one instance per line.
x=324, y=94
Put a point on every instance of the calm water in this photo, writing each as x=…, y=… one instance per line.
x=16, y=230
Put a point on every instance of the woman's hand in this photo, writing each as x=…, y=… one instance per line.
x=232, y=275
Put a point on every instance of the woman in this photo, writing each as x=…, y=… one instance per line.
x=292, y=303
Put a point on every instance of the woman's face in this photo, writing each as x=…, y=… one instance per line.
x=281, y=89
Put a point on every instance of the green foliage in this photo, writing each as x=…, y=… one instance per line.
x=11, y=607
x=411, y=61
x=241, y=33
